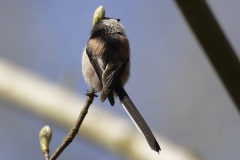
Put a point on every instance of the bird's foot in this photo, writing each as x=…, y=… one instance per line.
x=91, y=93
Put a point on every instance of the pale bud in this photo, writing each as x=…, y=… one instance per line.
x=98, y=14
x=45, y=136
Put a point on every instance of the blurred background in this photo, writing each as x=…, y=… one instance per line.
x=183, y=101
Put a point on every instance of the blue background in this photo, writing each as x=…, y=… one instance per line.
x=172, y=82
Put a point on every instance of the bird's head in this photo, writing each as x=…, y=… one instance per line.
x=105, y=24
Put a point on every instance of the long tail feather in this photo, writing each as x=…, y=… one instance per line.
x=137, y=118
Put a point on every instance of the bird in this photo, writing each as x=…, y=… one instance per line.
x=106, y=68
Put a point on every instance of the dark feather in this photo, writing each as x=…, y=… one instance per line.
x=111, y=76
x=111, y=98
x=136, y=116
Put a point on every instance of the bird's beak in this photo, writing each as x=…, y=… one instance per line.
x=98, y=14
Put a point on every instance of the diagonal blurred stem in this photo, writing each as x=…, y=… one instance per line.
x=216, y=46
x=47, y=100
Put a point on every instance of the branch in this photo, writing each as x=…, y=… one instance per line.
x=71, y=135
x=46, y=155
x=215, y=44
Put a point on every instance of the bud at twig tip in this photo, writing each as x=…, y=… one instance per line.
x=45, y=136
x=98, y=14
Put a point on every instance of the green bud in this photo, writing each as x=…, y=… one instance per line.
x=45, y=136
x=98, y=14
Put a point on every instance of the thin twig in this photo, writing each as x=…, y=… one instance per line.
x=46, y=155
x=70, y=136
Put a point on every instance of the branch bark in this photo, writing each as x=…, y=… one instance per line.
x=71, y=135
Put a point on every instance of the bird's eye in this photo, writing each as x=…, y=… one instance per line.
x=118, y=20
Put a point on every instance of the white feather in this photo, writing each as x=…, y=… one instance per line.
x=132, y=119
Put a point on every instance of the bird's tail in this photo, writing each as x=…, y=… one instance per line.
x=136, y=118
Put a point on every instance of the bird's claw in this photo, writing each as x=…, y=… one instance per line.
x=91, y=93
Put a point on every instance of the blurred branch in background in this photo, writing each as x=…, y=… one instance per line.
x=215, y=44
x=47, y=100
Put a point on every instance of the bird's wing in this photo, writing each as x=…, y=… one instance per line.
x=96, y=62
x=108, y=73
x=111, y=76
